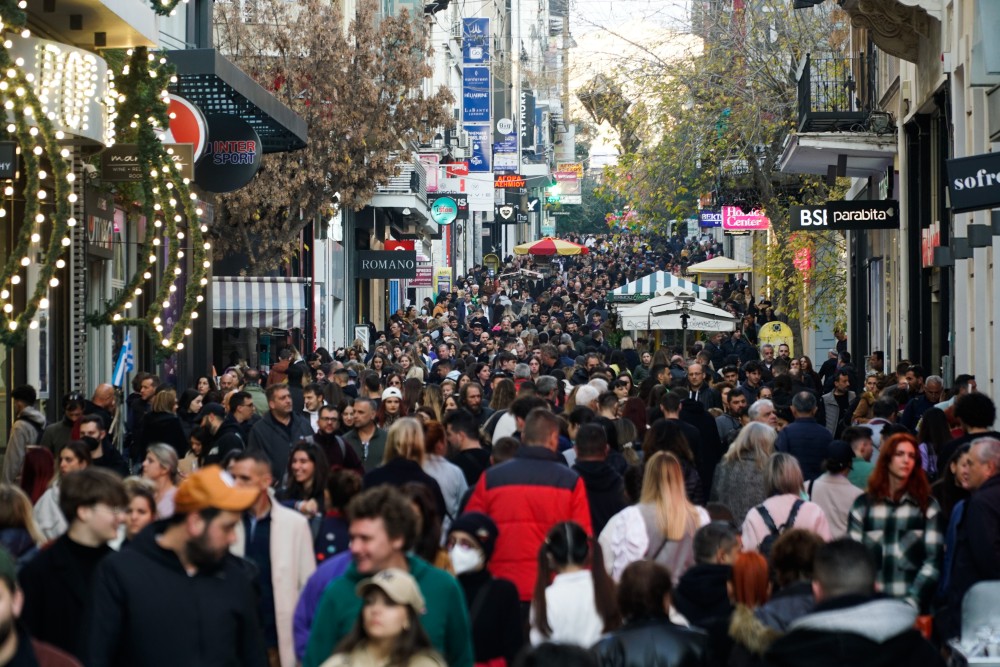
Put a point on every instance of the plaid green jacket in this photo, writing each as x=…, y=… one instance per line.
x=907, y=544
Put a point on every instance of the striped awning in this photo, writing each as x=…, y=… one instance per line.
x=646, y=288
x=240, y=302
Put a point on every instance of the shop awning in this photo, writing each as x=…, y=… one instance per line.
x=240, y=302
x=647, y=287
x=217, y=86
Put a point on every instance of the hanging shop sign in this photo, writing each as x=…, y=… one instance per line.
x=481, y=158
x=710, y=218
x=232, y=155
x=475, y=41
x=509, y=181
x=506, y=214
x=447, y=207
x=974, y=182
x=735, y=220
x=526, y=118
x=187, y=125
x=120, y=163
x=387, y=263
x=854, y=214
x=8, y=159
x=476, y=95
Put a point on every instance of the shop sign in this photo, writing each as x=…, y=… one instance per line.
x=432, y=165
x=447, y=207
x=120, y=163
x=479, y=142
x=232, y=154
x=400, y=245
x=506, y=214
x=974, y=182
x=187, y=125
x=862, y=214
x=509, y=181
x=476, y=95
x=442, y=279
x=735, y=220
x=8, y=159
x=475, y=41
x=387, y=264
x=527, y=119
x=425, y=275
x=710, y=218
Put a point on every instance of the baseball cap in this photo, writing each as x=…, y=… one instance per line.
x=212, y=487
x=398, y=585
x=454, y=375
x=212, y=409
x=392, y=392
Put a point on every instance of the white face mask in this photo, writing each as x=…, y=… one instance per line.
x=465, y=559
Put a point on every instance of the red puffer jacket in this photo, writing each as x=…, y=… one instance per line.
x=526, y=496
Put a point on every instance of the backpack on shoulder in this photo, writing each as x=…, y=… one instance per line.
x=775, y=532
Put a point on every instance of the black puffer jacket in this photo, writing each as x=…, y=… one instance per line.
x=701, y=593
x=654, y=642
x=605, y=491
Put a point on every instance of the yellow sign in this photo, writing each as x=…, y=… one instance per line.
x=777, y=333
x=574, y=167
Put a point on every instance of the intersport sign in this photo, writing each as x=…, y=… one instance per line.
x=974, y=182
x=855, y=214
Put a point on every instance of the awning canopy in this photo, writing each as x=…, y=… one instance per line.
x=240, y=302
x=720, y=264
x=663, y=313
x=646, y=288
x=217, y=86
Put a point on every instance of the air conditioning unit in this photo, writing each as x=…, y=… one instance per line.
x=463, y=139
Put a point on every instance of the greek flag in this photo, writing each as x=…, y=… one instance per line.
x=125, y=363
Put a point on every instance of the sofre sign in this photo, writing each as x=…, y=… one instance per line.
x=387, y=264
x=855, y=214
x=974, y=182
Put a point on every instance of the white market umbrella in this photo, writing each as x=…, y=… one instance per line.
x=663, y=313
x=719, y=264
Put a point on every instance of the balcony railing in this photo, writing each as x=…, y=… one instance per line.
x=411, y=180
x=836, y=94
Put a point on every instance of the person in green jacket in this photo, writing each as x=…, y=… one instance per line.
x=383, y=528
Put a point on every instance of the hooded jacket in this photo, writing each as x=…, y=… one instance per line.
x=605, y=491
x=856, y=631
x=26, y=430
x=147, y=610
x=701, y=593
x=227, y=439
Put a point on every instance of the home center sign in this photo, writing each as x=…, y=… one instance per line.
x=232, y=154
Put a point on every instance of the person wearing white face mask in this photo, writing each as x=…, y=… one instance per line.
x=494, y=606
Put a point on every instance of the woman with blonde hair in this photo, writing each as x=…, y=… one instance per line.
x=784, y=507
x=430, y=397
x=161, y=468
x=404, y=459
x=660, y=527
x=18, y=532
x=739, y=478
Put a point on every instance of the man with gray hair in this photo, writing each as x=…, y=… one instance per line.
x=804, y=438
x=977, y=544
x=763, y=411
x=915, y=409
x=547, y=387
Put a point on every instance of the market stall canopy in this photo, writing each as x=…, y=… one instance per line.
x=720, y=264
x=549, y=246
x=663, y=313
x=649, y=286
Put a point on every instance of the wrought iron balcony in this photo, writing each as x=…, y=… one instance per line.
x=836, y=94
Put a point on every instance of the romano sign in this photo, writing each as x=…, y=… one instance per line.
x=854, y=214
x=974, y=182
x=387, y=264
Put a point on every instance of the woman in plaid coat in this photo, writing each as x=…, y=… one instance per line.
x=899, y=521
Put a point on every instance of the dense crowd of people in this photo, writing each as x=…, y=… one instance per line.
x=502, y=478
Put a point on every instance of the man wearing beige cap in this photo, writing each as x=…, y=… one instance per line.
x=176, y=596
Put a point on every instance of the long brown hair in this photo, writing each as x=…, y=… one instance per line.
x=916, y=485
x=568, y=544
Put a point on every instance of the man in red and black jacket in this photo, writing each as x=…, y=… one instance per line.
x=526, y=496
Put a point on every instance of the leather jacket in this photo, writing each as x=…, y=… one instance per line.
x=653, y=642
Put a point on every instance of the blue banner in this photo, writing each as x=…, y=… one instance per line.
x=393, y=296
x=479, y=141
x=475, y=41
x=476, y=95
x=709, y=218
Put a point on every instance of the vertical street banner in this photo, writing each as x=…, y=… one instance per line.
x=479, y=144
x=476, y=95
x=526, y=116
x=475, y=41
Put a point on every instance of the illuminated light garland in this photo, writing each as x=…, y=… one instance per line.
x=35, y=136
x=138, y=97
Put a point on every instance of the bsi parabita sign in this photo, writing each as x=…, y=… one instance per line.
x=387, y=264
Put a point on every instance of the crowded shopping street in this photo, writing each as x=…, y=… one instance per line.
x=553, y=333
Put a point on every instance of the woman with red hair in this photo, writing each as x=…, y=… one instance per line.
x=900, y=522
x=37, y=473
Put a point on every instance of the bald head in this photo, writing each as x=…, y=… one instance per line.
x=695, y=376
x=104, y=397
